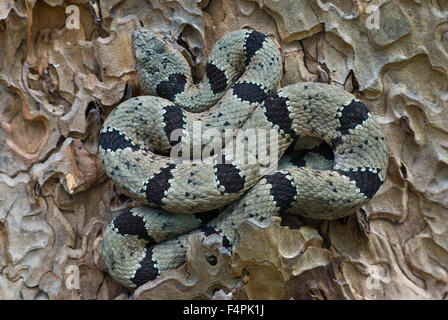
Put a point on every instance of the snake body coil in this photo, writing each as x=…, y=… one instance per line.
x=238, y=91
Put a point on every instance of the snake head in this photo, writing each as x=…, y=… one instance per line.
x=156, y=59
x=147, y=45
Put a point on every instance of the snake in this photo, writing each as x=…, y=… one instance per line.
x=335, y=151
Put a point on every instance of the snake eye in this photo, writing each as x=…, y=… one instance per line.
x=159, y=46
x=142, y=55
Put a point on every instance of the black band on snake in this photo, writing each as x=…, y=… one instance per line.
x=178, y=198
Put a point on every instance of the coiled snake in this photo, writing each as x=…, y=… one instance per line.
x=178, y=198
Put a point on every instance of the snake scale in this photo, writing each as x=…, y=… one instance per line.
x=238, y=90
